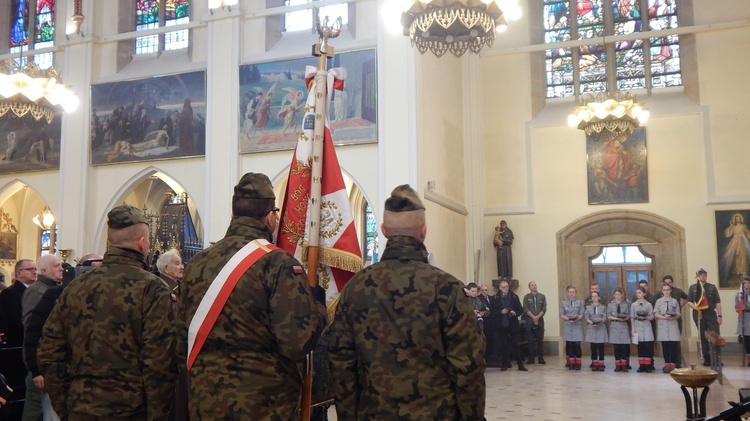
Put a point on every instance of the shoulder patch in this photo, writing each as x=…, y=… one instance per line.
x=298, y=270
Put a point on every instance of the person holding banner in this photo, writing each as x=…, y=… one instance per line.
x=404, y=339
x=704, y=299
x=108, y=347
x=249, y=316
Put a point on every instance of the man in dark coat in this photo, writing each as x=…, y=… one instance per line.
x=10, y=302
x=510, y=309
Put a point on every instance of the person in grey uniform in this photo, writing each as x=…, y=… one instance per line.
x=571, y=312
x=534, y=308
x=742, y=305
x=596, y=330
x=642, y=312
x=618, y=312
x=667, y=313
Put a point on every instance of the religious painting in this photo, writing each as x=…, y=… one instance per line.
x=29, y=145
x=273, y=96
x=733, y=247
x=161, y=117
x=617, y=171
x=8, y=241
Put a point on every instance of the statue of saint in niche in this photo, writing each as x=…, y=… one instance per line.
x=502, y=241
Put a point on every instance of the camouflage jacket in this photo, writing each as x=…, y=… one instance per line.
x=108, y=346
x=405, y=343
x=248, y=368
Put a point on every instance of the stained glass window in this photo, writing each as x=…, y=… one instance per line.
x=633, y=64
x=42, y=32
x=19, y=28
x=371, y=236
x=303, y=19
x=148, y=16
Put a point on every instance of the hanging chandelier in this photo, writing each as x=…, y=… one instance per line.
x=456, y=25
x=608, y=115
x=31, y=91
x=45, y=220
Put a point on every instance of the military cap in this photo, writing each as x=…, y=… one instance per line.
x=701, y=270
x=403, y=199
x=125, y=216
x=254, y=186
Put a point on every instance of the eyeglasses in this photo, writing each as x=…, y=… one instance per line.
x=273, y=210
x=29, y=269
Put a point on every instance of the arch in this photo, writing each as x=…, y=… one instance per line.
x=152, y=198
x=22, y=202
x=657, y=236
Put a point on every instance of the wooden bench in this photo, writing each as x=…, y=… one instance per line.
x=715, y=343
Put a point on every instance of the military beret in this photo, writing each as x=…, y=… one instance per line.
x=403, y=198
x=701, y=270
x=125, y=216
x=254, y=186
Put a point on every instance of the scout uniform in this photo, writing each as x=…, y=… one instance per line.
x=639, y=311
x=668, y=331
x=619, y=333
x=572, y=331
x=535, y=303
x=596, y=333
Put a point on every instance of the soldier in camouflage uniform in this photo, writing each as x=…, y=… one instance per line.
x=107, y=350
x=404, y=341
x=248, y=367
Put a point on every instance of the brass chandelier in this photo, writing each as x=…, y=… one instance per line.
x=456, y=25
x=31, y=91
x=608, y=115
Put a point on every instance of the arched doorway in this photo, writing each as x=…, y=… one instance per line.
x=655, y=236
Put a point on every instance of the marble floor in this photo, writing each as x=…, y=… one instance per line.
x=552, y=392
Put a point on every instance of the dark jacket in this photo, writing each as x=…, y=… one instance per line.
x=35, y=323
x=10, y=306
x=514, y=303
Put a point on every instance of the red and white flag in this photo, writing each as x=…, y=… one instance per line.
x=339, y=250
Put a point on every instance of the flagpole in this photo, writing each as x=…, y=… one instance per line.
x=323, y=51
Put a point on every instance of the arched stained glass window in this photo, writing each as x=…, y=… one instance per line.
x=42, y=32
x=150, y=14
x=597, y=66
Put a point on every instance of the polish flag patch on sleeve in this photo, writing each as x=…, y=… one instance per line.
x=299, y=270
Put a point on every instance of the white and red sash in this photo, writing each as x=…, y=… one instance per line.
x=218, y=293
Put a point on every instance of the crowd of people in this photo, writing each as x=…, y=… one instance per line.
x=225, y=338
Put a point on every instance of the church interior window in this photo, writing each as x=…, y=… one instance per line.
x=150, y=14
x=42, y=32
x=303, y=19
x=627, y=64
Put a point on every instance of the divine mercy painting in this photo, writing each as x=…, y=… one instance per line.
x=617, y=171
x=273, y=95
x=733, y=247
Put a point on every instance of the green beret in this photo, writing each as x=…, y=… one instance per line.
x=125, y=216
x=254, y=186
x=403, y=199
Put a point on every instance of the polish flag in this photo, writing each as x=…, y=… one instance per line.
x=339, y=249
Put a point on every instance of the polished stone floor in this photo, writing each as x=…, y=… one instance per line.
x=552, y=392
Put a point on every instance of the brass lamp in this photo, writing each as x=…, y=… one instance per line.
x=456, y=25
x=608, y=115
x=45, y=220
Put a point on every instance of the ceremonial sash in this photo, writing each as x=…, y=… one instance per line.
x=218, y=293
